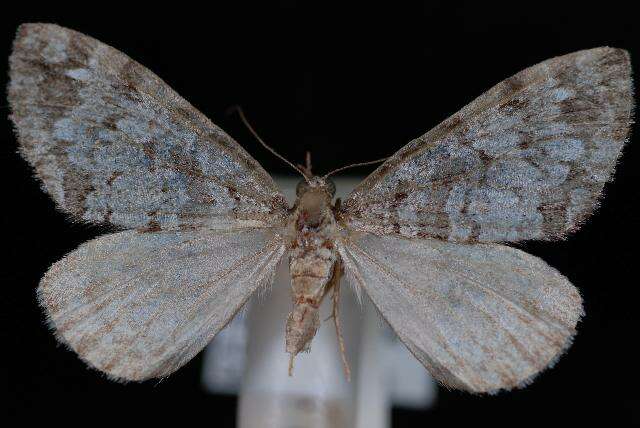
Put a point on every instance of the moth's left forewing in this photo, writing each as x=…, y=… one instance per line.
x=112, y=143
x=480, y=318
x=526, y=160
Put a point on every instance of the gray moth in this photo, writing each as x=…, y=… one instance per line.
x=203, y=226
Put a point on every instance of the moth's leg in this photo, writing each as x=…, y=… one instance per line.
x=336, y=321
x=337, y=206
x=291, y=357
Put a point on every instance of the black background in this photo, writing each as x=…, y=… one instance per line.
x=348, y=85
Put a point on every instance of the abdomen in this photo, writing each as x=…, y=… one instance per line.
x=312, y=270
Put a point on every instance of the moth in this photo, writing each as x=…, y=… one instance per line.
x=202, y=226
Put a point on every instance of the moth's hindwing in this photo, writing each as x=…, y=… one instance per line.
x=139, y=305
x=480, y=317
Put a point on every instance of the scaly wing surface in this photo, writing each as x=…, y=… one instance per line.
x=480, y=317
x=112, y=143
x=526, y=160
x=139, y=305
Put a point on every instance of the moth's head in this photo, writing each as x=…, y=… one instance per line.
x=316, y=185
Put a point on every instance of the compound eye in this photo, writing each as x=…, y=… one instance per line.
x=330, y=186
x=302, y=187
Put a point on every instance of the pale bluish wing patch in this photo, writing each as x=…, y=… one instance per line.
x=113, y=143
x=526, y=160
x=139, y=305
x=480, y=317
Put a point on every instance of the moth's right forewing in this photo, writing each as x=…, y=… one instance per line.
x=113, y=143
x=139, y=305
x=526, y=160
x=480, y=318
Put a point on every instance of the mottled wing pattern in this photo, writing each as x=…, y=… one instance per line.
x=139, y=305
x=111, y=142
x=526, y=160
x=480, y=317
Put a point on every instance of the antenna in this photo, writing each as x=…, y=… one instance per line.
x=354, y=165
x=266, y=146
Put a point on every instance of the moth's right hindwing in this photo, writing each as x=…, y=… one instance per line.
x=481, y=317
x=140, y=305
x=112, y=143
x=526, y=160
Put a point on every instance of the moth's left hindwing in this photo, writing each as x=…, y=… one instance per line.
x=526, y=160
x=139, y=305
x=112, y=143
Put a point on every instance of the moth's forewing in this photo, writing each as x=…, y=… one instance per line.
x=526, y=160
x=113, y=143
